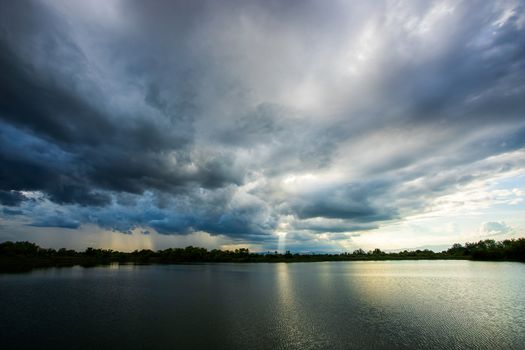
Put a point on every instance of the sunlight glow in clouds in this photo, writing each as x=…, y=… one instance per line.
x=322, y=126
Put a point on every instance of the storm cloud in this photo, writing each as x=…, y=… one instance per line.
x=249, y=118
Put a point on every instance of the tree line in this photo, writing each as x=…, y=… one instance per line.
x=27, y=255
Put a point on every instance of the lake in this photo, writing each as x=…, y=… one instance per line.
x=328, y=305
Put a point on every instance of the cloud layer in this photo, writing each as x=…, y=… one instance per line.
x=248, y=119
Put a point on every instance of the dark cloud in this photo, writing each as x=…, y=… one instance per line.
x=349, y=202
x=11, y=198
x=56, y=221
x=11, y=212
x=89, y=146
x=339, y=226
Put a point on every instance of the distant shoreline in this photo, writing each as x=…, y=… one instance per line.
x=28, y=264
x=25, y=256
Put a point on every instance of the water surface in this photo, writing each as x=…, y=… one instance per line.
x=330, y=305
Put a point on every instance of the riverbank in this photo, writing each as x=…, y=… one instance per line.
x=25, y=256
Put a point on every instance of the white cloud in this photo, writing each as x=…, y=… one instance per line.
x=494, y=228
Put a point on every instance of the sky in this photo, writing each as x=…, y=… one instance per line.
x=310, y=126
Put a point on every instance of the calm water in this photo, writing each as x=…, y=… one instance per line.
x=339, y=305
